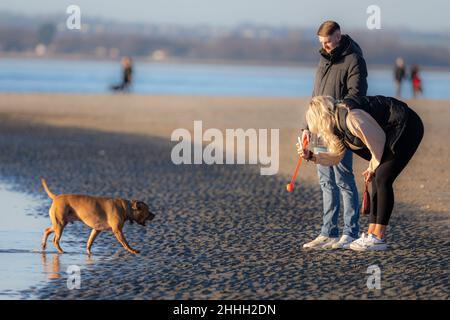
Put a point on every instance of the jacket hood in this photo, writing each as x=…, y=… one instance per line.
x=346, y=47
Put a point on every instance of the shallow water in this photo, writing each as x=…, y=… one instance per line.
x=22, y=263
x=84, y=76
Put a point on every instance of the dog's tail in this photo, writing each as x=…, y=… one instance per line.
x=44, y=184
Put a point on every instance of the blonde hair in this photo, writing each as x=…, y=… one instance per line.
x=321, y=120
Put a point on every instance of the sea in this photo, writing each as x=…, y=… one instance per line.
x=96, y=77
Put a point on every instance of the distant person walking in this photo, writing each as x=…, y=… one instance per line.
x=127, y=72
x=341, y=73
x=382, y=130
x=416, y=81
x=399, y=75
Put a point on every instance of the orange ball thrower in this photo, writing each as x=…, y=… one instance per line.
x=290, y=185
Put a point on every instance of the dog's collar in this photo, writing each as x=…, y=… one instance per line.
x=128, y=210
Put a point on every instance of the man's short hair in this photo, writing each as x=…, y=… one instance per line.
x=328, y=28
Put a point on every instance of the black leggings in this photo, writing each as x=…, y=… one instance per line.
x=382, y=200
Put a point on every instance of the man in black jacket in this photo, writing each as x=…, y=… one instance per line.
x=342, y=73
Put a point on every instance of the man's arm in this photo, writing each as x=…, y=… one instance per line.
x=317, y=79
x=357, y=78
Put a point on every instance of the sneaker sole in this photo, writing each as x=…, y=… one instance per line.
x=319, y=246
x=359, y=249
x=328, y=246
x=368, y=249
x=341, y=247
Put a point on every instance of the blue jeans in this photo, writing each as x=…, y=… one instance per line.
x=334, y=181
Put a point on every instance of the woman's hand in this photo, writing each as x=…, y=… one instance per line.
x=306, y=136
x=305, y=153
x=368, y=175
x=299, y=148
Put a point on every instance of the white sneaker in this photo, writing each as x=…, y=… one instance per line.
x=366, y=243
x=321, y=242
x=343, y=243
x=360, y=240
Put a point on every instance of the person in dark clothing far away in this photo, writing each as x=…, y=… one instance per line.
x=399, y=75
x=341, y=73
x=127, y=75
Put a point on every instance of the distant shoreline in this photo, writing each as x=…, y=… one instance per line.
x=84, y=57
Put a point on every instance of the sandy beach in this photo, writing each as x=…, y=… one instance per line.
x=221, y=231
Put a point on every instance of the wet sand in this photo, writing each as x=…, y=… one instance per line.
x=221, y=231
x=424, y=183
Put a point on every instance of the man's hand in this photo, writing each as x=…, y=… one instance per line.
x=368, y=175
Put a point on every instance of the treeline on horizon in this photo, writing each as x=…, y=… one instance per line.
x=244, y=43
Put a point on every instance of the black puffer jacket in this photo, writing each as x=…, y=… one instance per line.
x=343, y=73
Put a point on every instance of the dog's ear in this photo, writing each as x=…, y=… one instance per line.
x=141, y=205
x=138, y=205
x=134, y=204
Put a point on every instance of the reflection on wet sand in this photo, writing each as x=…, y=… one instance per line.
x=51, y=269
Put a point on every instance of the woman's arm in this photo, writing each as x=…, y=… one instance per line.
x=323, y=158
x=327, y=158
x=364, y=126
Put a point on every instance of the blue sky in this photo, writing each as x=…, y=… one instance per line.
x=430, y=15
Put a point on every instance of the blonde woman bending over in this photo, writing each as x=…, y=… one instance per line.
x=382, y=130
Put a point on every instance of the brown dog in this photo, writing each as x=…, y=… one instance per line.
x=100, y=214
